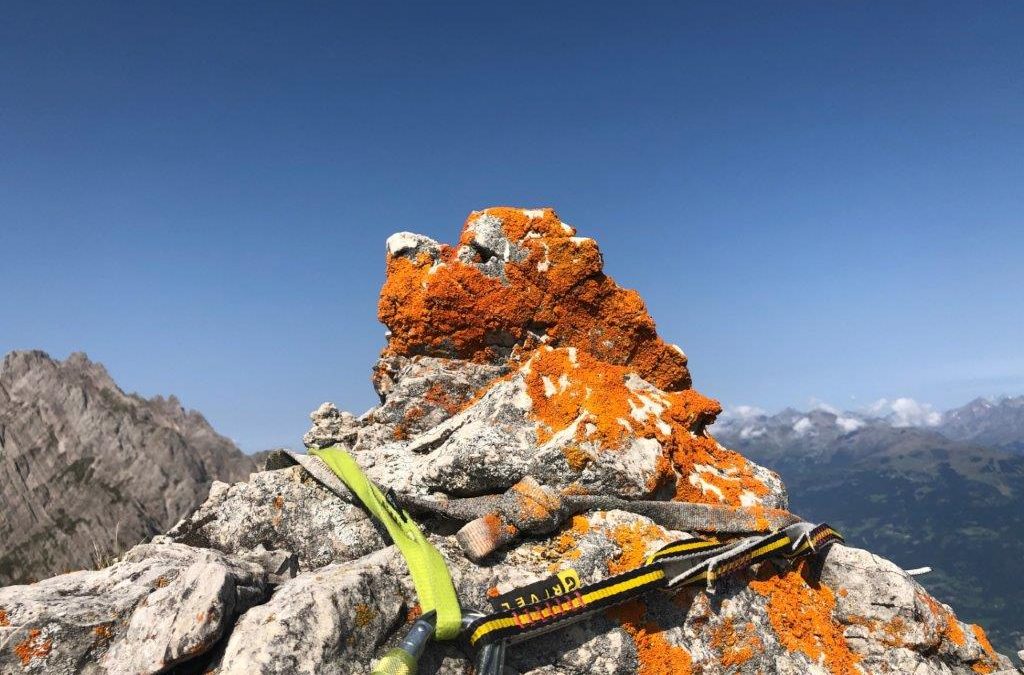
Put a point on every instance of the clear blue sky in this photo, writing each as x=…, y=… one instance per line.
x=818, y=200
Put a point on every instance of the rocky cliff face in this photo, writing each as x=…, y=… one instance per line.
x=510, y=355
x=87, y=469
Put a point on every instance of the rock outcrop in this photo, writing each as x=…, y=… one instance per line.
x=511, y=356
x=88, y=470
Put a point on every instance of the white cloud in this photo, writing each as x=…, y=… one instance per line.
x=906, y=412
x=817, y=404
x=740, y=414
x=752, y=432
x=848, y=424
x=745, y=412
x=802, y=426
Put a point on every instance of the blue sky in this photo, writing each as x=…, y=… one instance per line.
x=819, y=201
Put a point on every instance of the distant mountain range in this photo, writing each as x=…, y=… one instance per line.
x=87, y=470
x=994, y=424
x=949, y=495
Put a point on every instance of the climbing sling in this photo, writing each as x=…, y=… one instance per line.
x=683, y=563
x=441, y=615
x=676, y=565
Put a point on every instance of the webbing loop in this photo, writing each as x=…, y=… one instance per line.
x=676, y=565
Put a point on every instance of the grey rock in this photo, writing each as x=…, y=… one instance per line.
x=281, y=510
x=160, y=605
x=411, y=245
x=489, y=249
x=485, y=448
x=331, y=426
x=491, y=444
x=327, y=621
x=419, y=393
x=88, y=471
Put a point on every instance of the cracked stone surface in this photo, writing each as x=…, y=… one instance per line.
x=328, y=620
x=161, y=605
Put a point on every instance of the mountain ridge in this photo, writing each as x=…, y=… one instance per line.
x=99, y=468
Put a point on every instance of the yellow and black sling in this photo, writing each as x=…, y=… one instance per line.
x=676, y=565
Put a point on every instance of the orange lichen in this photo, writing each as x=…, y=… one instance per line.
x=440, y=397
x=440, y=305
x=655, y=654
x=575, y=489
x=979, y=634
x=989, y=663
x=577, y=457
x=948, y=626
x=895, y=629
x=409, y=419
x=364, y=615
x=495, y=527
x=580, y=524
x=736, y=648
x=569, y=387
x=493, y=592
x=415, y=612
x=103, y=631
x=710, y=473
x=870, y=624
x=632, y=540
x=33, y=647
x=531, y=502
x=801, y=617
x=4, y=621
x=161, y=581
x=566, y=544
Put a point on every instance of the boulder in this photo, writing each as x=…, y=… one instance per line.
x=328, y=620
x=159, y=606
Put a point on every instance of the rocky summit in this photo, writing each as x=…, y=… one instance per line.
x=512, y=360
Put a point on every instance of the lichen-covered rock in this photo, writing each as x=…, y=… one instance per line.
x=519, y=277
x=159, y=606
x=847, y=612
x=512, y=356
x=327, y=621
x=282, y=510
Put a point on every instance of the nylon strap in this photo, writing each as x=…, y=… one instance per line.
x=426, y=565
x=678, y=564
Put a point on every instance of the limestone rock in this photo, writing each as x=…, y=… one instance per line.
x=159, y=606
x=520, y=277
x=282, y=510
x=327, y=621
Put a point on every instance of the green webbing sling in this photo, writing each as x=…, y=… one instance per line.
x=428, y=569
